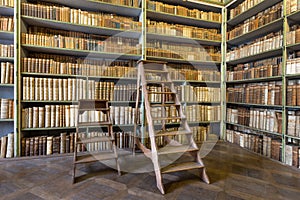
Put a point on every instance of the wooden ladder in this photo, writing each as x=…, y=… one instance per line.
x=105, y=145
x=160, y=77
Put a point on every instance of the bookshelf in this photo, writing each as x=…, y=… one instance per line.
x=241, y=73
x=7, y=82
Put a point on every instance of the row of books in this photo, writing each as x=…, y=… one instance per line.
x=6, y=50
x=293, y=93
x=267, y=43
x=52, y=89
x=182, y=11
x=7, y=146
x=164, y=28
x=6, y=23
x=292, y=153
x=266, y=93
x=6, y=73
x=6, y=108
x=259, y=69
x=80, y=41
x=293, y=123
x=202, y=113
x=132, y=3
x=8, y=3
x=78, y=16
x=293, y=36
x=190, y=52
x=262, y=144
x=244, y=6
x=188, y=93
x=292, y=6
x=124, y=115
x=293, y=65
x=265, y=17
x=83, y=67
x=101, y=90
x=262, y=119
x=188, y=72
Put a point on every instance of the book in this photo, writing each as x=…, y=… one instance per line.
x=10, y=146
x=6, y=50
x=3, y=146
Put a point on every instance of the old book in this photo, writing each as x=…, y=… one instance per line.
x=36, y=146
x=49, y=145
x=63, y=142
x=27, y=147
x=10, y=145
x=289, y=155
x=3, y=146
x=41, y=118
x=23, y=145
x=31, y=146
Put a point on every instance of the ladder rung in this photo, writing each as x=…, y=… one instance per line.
x=158, y=82
x=155, y=71
x=172, y=133
x=181, y=167
x=170, y=149
x=93, y=157
x=154, y=104
x=161, y=92
x=94, y=139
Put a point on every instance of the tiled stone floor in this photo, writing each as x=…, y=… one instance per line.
x=235, y=174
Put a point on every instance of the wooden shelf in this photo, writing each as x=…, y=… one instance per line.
x=293, y=137
x=98, y=6
x=7, y=85
x=292, y=76
x=256, y=105
x=250, y=12
x=4, y=10
x=34, y=21
x=51, y=75
x=181, y=39
x=80, y=53
x=48, y=129
x=293, y=107
x=198, y=82
x=6, y=59
x=6, y=35
x=261, y=31
x=293, y=47
x=255, y=129
x=171, y=18
x=294, y=18
x=254, y=80
x=6, y=120
x=183, y=61
x=49, y=102
x=205, y=5
x=259, y=56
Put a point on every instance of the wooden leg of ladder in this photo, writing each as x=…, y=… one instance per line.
x=202, y=171
x=74, y=169
x=157, y=171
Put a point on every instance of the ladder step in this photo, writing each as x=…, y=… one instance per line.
x=155, y=71
x=94, y=157
x=172, y=133
x=181, y=167
x=152, y=61
x=93, y=109
x=93, y=124
x=95, y=139
x=170, y=149
x=155, y=104
x=161, y=93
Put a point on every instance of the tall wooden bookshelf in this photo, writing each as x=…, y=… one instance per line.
x=7, y=82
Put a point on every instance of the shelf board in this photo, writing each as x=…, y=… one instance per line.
x=6, y=120
x=98, y=6
x=293, y=47
x=181, y=39
x=49, y=129
x=205, y=5
x=254, y=80
x=294, y=18
x=83, y=28
x=293, y=137
x=292, y=76
x=203, y=122
x=113, y=78
x=6, y=35
x=255, y=105
x=49, y=102
x=6, y=59
x=51, y=75
x=80, y=53
x=293, y=107
x=197, y=82
x=4, y=10
x=260, y=56
x=261, y=31
x=252, y=11
x=7, y=85
x=255, y=129
x=171, y=18
x=201, y=102
x=183, y=61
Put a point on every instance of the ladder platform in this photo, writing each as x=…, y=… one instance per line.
x=173, y=133
x=168, y=118
x=93, y=124
x=155, y=71
x=181, y=167
x=172, y=149
x=95, y=139
x=94, y=157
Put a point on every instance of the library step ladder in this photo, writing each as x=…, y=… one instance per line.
x=94, y=146
x=153, y=73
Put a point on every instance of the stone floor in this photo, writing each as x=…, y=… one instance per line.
x=235, y=173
